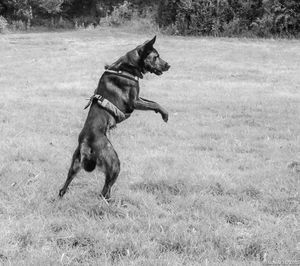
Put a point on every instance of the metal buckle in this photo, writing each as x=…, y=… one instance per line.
x=100, y=98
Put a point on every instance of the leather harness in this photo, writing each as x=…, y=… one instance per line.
x=109, y=106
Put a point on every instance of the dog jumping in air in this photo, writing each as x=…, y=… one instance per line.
x=116, y=97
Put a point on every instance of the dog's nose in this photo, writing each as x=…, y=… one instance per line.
x=167, y=66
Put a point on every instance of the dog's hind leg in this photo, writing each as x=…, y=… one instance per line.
x=74, y=169
x=109, y=162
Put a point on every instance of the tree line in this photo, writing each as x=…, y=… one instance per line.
x=263, y=18
x=232, y=17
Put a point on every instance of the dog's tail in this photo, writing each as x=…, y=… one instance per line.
x=88, y=160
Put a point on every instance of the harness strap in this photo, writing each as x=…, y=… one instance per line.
x=123, y=74
x=109, y=106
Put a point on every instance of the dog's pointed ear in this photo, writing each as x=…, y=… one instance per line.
x=151, y=42
x=148, y=45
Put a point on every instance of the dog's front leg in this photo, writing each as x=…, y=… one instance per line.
x=144, y=104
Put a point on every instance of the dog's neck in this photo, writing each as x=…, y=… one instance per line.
x=130, y=63
x=131, y=70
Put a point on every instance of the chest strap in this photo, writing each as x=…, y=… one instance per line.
x=108, y=106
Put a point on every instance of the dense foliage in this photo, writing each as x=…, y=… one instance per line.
x=187, y=17
x=231, y=17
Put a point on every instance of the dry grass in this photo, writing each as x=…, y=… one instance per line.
x=218, y=184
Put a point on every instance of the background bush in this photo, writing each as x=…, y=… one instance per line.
x=262, y=18
x=120, y=14
x=231, y=17
x=3, y=24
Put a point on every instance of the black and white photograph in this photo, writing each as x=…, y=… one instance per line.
x=150, y=132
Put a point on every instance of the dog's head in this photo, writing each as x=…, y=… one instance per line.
x=144, y=58
x=149, y=59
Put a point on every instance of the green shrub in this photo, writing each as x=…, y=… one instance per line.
x=263, y=18
x=202, y=17
x=233, y=28
x=166, y=12
x=263, y=27
x=195, y=17
x=3, y=24
x=230, y=18
x=120, y=14
x=18, y=25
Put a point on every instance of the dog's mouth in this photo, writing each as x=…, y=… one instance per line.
x=165, y=68
x=153, y=70
x=157, y=72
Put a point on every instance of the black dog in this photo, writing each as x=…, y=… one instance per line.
x=115, y=98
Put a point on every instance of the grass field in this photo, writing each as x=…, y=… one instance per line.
x=218, y=184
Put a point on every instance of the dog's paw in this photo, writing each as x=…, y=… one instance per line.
x=61, y=193
x=165, y=116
